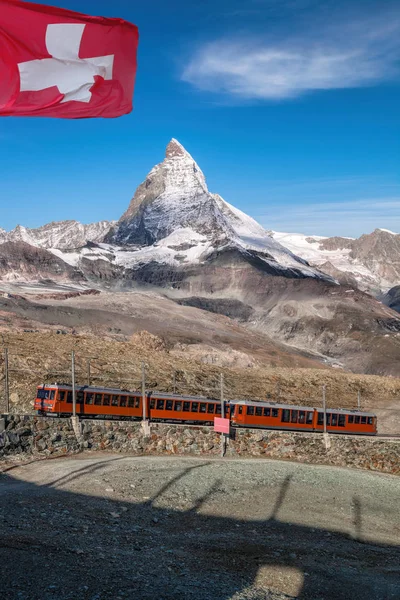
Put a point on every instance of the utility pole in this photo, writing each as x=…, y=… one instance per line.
x=324, y=406
x=174, y=382
x=359, y=400
x=88, y=372
x=73, y=384
x=6, y=381
x=144, y=392
x=223, y=436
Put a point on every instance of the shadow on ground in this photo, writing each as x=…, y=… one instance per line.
x=57, y=544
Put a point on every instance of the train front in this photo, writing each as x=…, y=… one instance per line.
x=45, y=400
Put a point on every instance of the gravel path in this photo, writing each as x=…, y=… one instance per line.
x=99, y=527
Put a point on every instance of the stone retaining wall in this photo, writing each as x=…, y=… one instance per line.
x=27, y=436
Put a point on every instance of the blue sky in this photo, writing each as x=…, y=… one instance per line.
x=290, y=107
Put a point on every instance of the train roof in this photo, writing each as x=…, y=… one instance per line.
x=270, y=404
x=89, y=388
x=297, y=407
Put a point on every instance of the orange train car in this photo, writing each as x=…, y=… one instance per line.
x=271, y=415
x=97, y=402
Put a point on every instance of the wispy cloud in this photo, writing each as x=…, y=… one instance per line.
x=351, y=218
x=343, y=55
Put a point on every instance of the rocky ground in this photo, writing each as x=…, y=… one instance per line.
x=97, y=527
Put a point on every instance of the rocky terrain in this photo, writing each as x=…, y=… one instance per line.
x=392, y=298
x=115, y=527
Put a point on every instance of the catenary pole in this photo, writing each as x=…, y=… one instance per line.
x=73, y=383
x=6, y=382
x=144, y=392
x=324, y=405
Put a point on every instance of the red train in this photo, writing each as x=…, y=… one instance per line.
x=96, y=402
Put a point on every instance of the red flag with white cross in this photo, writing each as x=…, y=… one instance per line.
x=59, y=63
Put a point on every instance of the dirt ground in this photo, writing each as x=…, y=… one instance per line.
x=97, y=527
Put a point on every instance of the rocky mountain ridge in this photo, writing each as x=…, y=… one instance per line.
x=61, y=235
x=370, y=262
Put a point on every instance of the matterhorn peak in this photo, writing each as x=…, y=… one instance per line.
x=175, y=149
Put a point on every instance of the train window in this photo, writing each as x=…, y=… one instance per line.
x=210, y=409
x=240, y=410
x=267, y=412
x=250, y=410
x=285, y=415
x=160, y=404
x=217, y=409
x=203, y=407
x=310, y=415
x=61, y=395
x=123, y=401
x=328, y=418
x=186, y=406
x=275, y=412
x=114, y=400
x=97, y=399
x=89, y=398
x=137, y=402
x=131, y=402
x=169, y=405
x=320, y=418
x=342, y=421
x=302, y=416
x=369, y=420
x=52, y=394
x=293, y=418
x=195, y=407
x=79, y=397
x=334, y=420
x=357, y=419
x=259, y=411
x=364, y=420
x=69, y=398
x=152, y=403
x=106, y=400
x=178, y=405
x=351, y=419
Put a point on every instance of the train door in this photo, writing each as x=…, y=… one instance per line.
x=238, y=413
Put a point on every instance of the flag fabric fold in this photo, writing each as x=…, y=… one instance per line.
x=58, y=63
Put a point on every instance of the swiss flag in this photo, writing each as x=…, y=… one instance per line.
x=58, y=63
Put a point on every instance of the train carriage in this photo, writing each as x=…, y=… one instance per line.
x=94, y=402
x=270, y=415
x=194, y=409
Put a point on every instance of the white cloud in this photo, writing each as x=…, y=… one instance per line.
x=345, y=55
x=350, y=219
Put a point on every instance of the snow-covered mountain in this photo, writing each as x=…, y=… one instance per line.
x=174, y=219
x=370, y=262
x=63, y=235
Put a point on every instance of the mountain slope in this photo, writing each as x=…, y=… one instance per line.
x=21, y=262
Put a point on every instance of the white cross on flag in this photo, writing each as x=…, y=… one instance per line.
x=58, y=63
